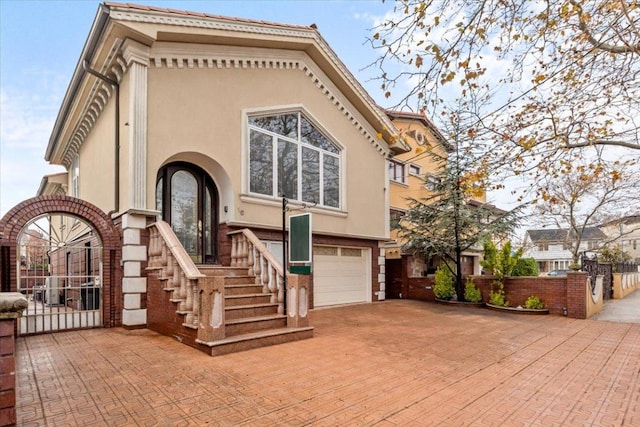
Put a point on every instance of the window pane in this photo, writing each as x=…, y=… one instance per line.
x=310, y=175
x=331, y=180
x=260, y=163
x=208, y=227
x=310, y=135
x=287, y=169
x=159, y=189
x=184, y=210
x=283, y=124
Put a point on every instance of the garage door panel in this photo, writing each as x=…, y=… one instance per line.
x=339, y=279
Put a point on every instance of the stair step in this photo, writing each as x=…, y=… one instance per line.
x=246, y=299
x=219, y=270
x=240, y=280
x=257, y=339
x=242, y=289
x=252, y=324
x=251, y=310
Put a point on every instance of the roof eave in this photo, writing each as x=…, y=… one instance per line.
x=97, y=30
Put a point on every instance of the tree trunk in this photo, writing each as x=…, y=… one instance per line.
x=459, y=284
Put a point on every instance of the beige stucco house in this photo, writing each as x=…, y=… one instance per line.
x=206, y=121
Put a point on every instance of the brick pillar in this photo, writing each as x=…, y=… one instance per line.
x=11, y=306
x=577, y=294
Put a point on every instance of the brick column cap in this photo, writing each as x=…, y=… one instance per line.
x=12, y=304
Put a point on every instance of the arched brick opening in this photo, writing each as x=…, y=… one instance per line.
x=15, y=220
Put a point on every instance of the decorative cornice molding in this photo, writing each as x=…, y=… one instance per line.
x=132, y=51
x=214, y=23
x=99, y=95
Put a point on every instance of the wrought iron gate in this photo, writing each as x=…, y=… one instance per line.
x=60, y=273
x=595, y=269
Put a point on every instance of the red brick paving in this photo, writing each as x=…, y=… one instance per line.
x=397, y=363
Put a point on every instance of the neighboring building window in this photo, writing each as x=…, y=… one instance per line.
x=431, y=182
x=396, y=172
x=592, y=244
x=543, y=246
x=289, y=156
x=635, y=244
x=75, y=177
x=415, y=170
x=394, y=217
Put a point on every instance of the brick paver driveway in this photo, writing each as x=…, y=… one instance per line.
x=393, y=363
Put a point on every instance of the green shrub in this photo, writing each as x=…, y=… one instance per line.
x=497, y=297
x=471, y=292
x=526, y=267
x=443, y=288
x=533, y=302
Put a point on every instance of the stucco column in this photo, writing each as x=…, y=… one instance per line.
x=135, y=238
x=136, y=56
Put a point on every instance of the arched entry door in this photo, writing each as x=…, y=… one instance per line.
x=188, y=200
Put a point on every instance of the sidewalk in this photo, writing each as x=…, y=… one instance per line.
x=621, y=310
x=395, y=363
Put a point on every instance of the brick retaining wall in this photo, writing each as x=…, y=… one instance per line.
x=556, y=293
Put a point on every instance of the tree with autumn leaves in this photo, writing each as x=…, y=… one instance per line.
x=560, y=78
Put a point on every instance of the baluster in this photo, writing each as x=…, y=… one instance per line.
x=170, y=266
x=243, y=251
x=273, y=280
x=183, y=290
x=265, y=275
x=257, y=271
x=280, y=293
x=250, y=258
x=196, y=304
x=234, y=250
x=175, y=282
x=188, y=304
x=163, y=256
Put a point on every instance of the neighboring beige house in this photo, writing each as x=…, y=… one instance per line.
x=207, y=121
x=625, y=232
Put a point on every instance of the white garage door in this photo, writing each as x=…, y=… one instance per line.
x=340, y=275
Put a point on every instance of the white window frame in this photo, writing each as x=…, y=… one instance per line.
x=417, y=167
x=393, y=176
x=299, y=144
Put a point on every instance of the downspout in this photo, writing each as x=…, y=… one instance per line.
x=116, y=85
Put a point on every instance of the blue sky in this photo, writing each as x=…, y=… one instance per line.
x=40, y=42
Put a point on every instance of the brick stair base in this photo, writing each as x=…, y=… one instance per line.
x=255, y=340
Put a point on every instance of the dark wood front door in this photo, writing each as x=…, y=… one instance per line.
x=394, y=279
x=188, y=200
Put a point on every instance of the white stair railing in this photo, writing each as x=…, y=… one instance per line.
x=247, y=251
x=167, y=254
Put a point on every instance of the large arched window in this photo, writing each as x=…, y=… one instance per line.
x=289, y=157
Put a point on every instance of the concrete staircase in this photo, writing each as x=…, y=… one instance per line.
x=251, y=318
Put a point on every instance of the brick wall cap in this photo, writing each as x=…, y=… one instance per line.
x=12, y=304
